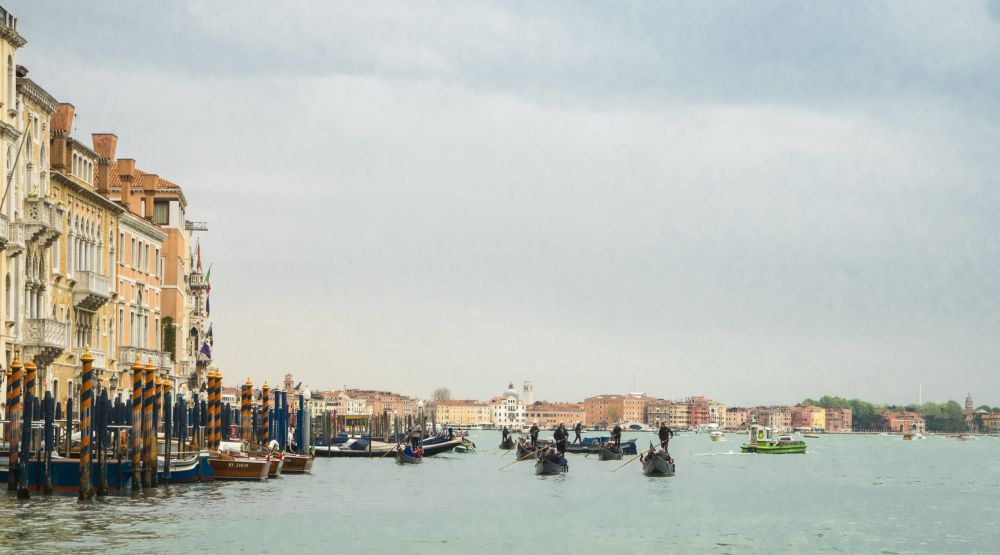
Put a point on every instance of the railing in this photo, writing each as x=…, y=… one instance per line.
x=91, y=290
x=44, y=220
x=126, y=356
x=4, y=229
x=100, y=357
x=45, y=332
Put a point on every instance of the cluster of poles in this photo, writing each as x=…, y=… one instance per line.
x=131, y=431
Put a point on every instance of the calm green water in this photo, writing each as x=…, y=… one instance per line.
x=864, y=494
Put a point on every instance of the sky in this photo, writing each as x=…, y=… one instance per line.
x=757, y=202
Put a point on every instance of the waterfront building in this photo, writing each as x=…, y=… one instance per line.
x=549, y=415
x=459, y=412
x=990, y=422
x=81, y=260
x=808, y=418
x=657, y=412
x=778, y=419
x=508, y=409
x=678, y=418
x=697, y=415
x=839, y=420
x=610, y=409
x=12, y=225
x=736, y=418
x=903, y=421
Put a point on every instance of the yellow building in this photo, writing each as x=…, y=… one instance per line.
x=462, y=413
x=82, y=258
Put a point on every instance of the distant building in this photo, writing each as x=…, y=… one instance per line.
x=609, y=409
x=991, y=422
x=678, y=416
x=736, y=418
x=508, y=409
x=839, y=420
x=808, y=418
x=903, y=421
x=528, y=393
x=463, y=413
x=658, y=411
x=549, y=415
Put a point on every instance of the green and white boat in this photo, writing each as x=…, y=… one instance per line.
x=761, y=440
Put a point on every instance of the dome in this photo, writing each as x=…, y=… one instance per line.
x=511, y=392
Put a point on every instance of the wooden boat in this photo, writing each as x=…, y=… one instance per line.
x=525, y=449
x=546, y=467
x=610, y=453
x=507, y=444
x=402, y=457
x=593, y=445
x=188, y=469
x=229, y=466
x=298, y=464
x=761, y=441
x=656, y=463
x=274, y=470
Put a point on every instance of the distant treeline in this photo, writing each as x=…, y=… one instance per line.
x=939, y=417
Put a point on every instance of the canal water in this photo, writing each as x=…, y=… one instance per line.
x=853, y=494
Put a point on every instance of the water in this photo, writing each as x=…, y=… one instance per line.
x=851, y=494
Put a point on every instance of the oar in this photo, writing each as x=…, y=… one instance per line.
x=523, y=458
x=630, y=460
x=394, y=448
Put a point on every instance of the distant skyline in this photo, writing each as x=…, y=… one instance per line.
x=756, y=202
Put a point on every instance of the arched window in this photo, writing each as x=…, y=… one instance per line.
x=11, y=85
x=8, y=304
x=55, y=390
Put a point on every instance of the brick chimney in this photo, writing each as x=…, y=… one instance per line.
x=62, y=120
x=126, y=172
x=105, y=145
x=61, y=124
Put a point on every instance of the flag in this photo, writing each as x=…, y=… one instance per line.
x=210, y=337
x=206, y=350
x=208, y=278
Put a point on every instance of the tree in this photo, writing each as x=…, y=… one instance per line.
x=441, y=394
x=169, y=337
x=614, y=415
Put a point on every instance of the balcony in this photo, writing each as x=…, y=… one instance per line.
x=15, y=237
x=100, y=358
x=46, y=338
x=4, y=230
x=92, y=290
x=197, y=281
x=163, y=361
x=43, y=221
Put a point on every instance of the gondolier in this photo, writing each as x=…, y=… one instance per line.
x=578, y=429
x=504, y=433
x=616, y=435
x=665, y=434
x=533, y=434
x=560, y=436
x=416, y=434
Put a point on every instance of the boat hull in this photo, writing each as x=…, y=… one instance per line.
x=657, y=466
x=403, y=458
x=507, y=444
x=795, y=447
x=64, y=475
x=548, y=468
x=274, y=470
x=297, y=464
x=192, y=469
x=609, y=455
x=239, y=468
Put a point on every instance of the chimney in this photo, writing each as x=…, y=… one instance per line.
x=126, y=172
x=149, y=182
x=104, y=146
x=62, y=121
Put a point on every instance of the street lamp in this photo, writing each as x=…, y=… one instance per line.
x=114, y=384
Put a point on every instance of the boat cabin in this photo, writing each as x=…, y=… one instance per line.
x=759, y=433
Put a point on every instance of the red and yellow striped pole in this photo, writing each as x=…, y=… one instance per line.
x=30, y=399
x=218, y=409
x=265, y=414
x=212, y=417
x=86, y=409
x=14, y=418
x=149, y=454
x=137, y=374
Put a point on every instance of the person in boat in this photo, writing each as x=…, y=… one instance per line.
x=533, y=434
x=416, y=434
x=554, y=456
x=451, y=434
x=560, y=436
x=616, y=436
x=578, y=429
x=665, y=434
x=505, y=433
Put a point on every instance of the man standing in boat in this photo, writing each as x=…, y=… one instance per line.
x=665, y=434
x=560, y=436
x=616, y=436
x=533, y=434
x=578, y=429
x=504, y=432
x=416, y=434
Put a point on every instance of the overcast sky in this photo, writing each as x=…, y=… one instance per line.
x=757, y=202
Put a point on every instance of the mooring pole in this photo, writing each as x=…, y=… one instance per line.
x=14, y=418
x=86, y=412
x=167, y=428
x=50, y=410
x=137, y=443
x=103, y=410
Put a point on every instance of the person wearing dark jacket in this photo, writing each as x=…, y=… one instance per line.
x=560, y=436
x=505, y=433
x=578, y=429
x=533, y=434
x=665, y=434
x=616, y=435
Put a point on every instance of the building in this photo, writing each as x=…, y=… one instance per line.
x=549, y=415
x=698, y=415
x=903, y=421
x=839, y=420
x=778, y=419
x=657, y=412
x=508, y=409
x=736, y=418
x=610, y=409
x=808, y=418
x=678, y=416
x=990, y=422
x=528, y=392
x=463, y=413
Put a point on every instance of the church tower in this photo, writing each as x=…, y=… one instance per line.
x=528, y=393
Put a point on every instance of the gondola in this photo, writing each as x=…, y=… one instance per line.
x=544, y=466
x=507, y=444
x=656, y=463
x=524, y=449
x=610, y=453
x=408, y=456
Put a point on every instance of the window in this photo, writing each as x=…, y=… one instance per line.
x=55, y=390
x=156, y=260
x=133, y=253
x=121, y=248
x=121, y=325
x=161, y=212
x=55, y=256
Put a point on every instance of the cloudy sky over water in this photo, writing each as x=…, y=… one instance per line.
x=754, y=201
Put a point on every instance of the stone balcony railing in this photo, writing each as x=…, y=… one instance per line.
x=4, y=230
x=92, y=290
x=45, y=332
x=15, y=238
x=197, y=281
x=162, y=360
x=100, y=358
x=43, y=220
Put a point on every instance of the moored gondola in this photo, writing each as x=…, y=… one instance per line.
x=610, y=452
x=657, y=463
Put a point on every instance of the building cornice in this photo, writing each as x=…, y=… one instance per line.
x=33, y=92
x=8, y=130
x=142, y=225
x=90, y=195
x=86, y=149
x=12, y=36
